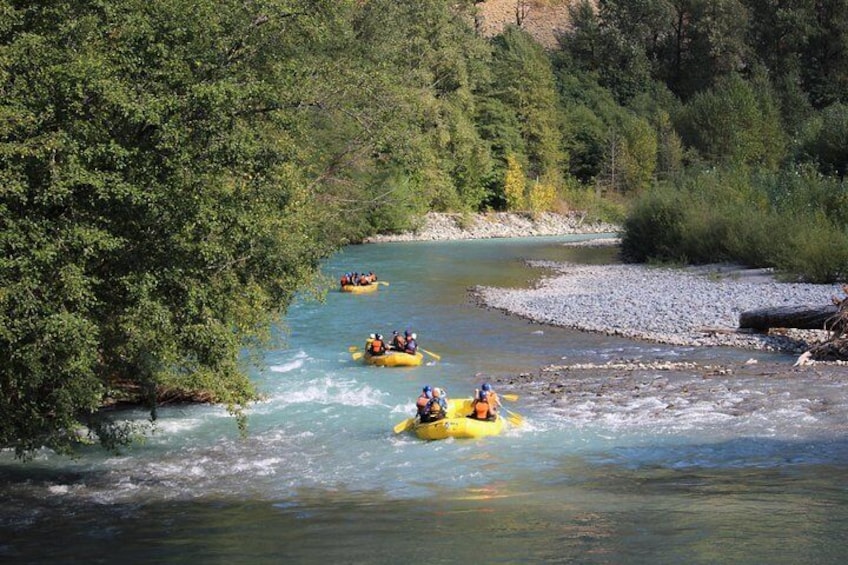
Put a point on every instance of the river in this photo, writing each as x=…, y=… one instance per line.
x=321, y=476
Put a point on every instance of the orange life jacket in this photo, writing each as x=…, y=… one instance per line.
x=481, y=409
x=493, y=399
x=434, y=407
x=345, y=280
x=377, y=347
x=421, y=404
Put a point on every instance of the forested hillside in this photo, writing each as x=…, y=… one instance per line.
x=172, y=171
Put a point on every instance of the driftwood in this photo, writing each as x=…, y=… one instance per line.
x=832, y=318
x=800, y=317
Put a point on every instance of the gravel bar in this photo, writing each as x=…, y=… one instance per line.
x=665, y=305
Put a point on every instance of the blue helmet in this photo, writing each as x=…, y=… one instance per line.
x=486, y=387
x=427, y=388
x=407, y=333
x=483, y=395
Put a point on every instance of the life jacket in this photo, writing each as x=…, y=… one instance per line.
x=421, y=404
x=434, y=408
x=377, y=347
x=493, y=399
x=345, y=280
x=399, y=343
x=481, y=409
x=410, y=346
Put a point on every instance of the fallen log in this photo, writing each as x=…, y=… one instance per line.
x=798, y=317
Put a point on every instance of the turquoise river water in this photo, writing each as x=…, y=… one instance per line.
x=321, y=477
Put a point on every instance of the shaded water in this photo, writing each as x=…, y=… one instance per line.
x=739, y=468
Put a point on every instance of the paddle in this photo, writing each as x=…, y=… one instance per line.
x=353, y=348
x=405, y=425
x=514, y=418
x=430, y=353
x=510, y=397
x=357, y=355
x=383, y=282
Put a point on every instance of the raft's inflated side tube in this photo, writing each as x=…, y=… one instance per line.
x=457, y=424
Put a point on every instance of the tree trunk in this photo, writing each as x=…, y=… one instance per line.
x=800, y=317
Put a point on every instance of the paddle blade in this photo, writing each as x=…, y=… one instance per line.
x=383, y=282
x=514, y=418
x=510, y=397
x=431, y=354
x=357, y=355
x=353, y=348
x=405, y=425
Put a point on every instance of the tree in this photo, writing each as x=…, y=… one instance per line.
x=639, y=155
x=432, y=63
x=733, y=124
x=514, y=184
x=825, y=59
x=830, y=145
x=157, y=213
x=542, y=197
x=523, y=80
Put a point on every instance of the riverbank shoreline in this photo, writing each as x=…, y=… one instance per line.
x=446, y=226
x=695, y=306
x=687, y=307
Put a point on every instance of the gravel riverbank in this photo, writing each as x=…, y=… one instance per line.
x=698, y=306
x=439, y=226
x=673, y=306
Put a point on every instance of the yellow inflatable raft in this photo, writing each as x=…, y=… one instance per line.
x=457, y=424
x=394, y=359
x=359, y=288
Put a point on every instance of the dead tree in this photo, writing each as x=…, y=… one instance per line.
x=799, y=317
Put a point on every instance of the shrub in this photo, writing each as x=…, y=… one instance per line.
x=816, y=251
x=653, y=228
x=514, y=184
x=542, y=197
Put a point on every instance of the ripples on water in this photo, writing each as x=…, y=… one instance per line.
x=651, y=467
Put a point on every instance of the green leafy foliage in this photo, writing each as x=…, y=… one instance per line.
x=524, y=82
x=156, y=215
x=734, y=124
x=792, y=221
x=515, y=184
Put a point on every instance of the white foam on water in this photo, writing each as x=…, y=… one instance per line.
x=260, y=467
x=177, y=425
x=297, y=362
x=329, y=391
x=408, y=409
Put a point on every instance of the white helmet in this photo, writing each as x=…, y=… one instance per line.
x=414, y=336
x=437, y=392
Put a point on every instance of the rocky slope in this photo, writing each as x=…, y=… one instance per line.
x=542, y=19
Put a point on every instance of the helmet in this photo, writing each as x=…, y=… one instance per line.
x=394, y=332
x=437, y=392
x=380, y=337
x=372, y=336
x=406, y=333
x=427, y=388
x=486, y=387
x=414, y=336
x=483, y=395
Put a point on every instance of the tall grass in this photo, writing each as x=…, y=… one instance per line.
x=795, y=222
